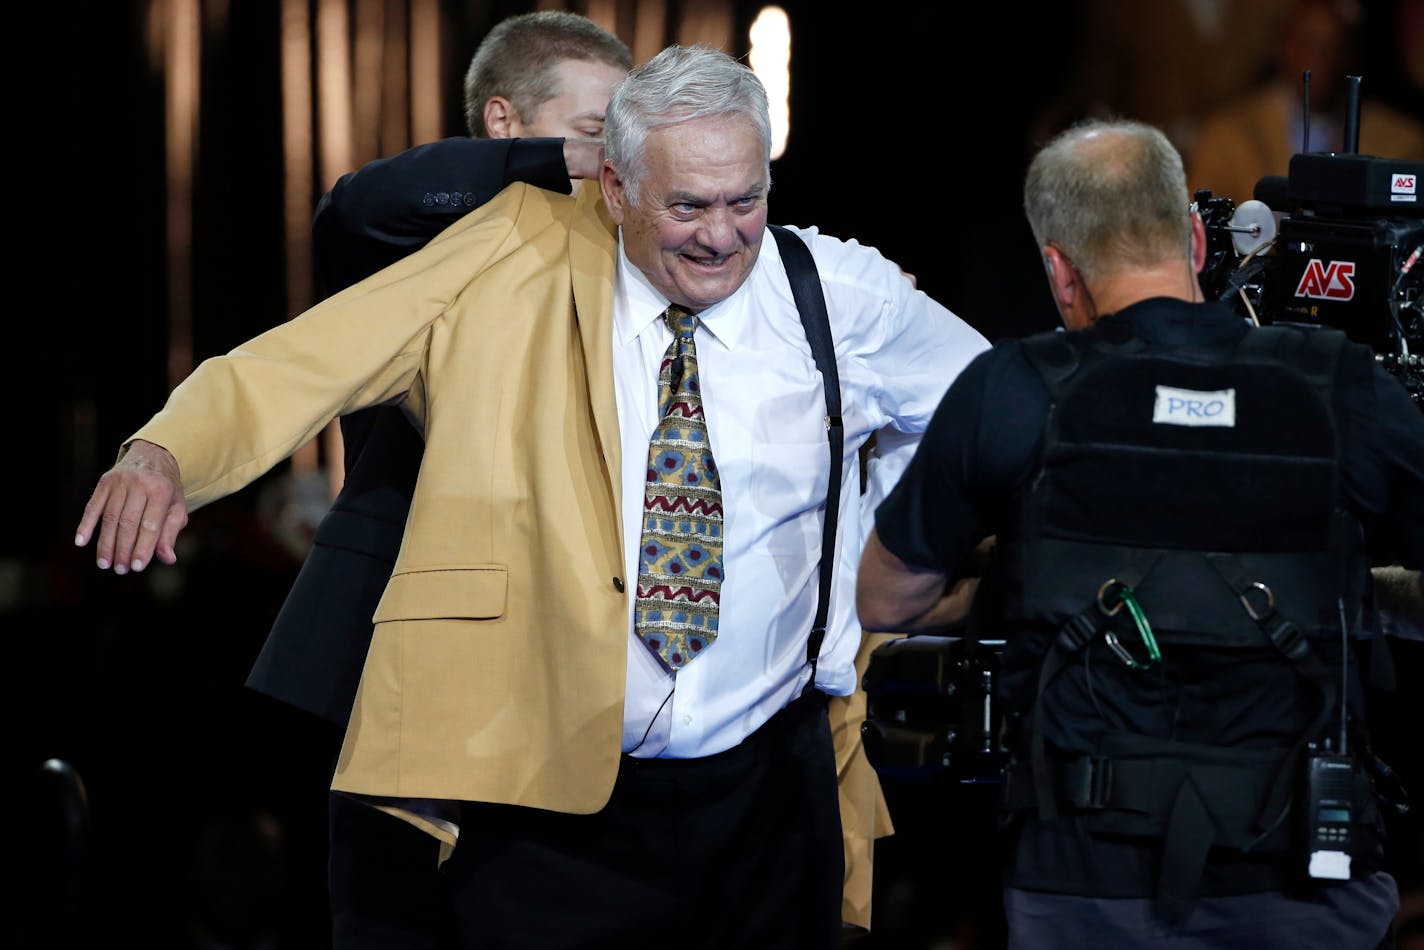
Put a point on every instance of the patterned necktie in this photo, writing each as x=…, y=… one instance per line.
x=680, y=561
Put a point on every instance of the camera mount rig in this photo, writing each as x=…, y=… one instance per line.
x=1337, y=243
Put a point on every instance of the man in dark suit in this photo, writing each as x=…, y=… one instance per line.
x=535, y=94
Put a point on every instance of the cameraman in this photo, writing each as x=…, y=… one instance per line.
x=1186, y=509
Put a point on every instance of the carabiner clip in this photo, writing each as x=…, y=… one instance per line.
x=1139, y=618
x=1121, y=651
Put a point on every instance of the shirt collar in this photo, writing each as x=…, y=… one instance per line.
x=637, y=304
x=1169, y=321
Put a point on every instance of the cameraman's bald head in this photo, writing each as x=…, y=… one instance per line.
x=1107, y=202
x=1110, y=194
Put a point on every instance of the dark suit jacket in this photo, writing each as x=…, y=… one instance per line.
x=372, y=218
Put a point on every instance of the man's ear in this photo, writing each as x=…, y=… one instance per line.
x=1062, y=278
x=1198, y=243
x=501, y=119
x=613, y=193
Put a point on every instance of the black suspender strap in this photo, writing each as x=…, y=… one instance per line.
x=811, y=304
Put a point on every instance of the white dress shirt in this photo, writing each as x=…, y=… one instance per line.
x=897, y=352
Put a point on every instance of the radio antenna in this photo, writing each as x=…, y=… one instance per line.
x=1344, y=673
x=1352, y=115
x=1305, y=126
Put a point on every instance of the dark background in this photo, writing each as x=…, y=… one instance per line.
x=911, y=129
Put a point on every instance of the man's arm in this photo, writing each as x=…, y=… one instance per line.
x=400, y=199
x=392, y=206
x=239, y=414
x=893, y=595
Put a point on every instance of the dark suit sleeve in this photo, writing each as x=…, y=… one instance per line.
x=393, y=206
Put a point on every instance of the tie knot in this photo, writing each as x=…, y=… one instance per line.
x=679, y=321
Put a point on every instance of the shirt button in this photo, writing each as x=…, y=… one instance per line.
x=618, y=584
x=687, y=720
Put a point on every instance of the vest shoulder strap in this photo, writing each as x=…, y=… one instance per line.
x=1053, y=357
x=1314, y=352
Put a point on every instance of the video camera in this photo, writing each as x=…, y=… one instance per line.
x=1344, y=253
x=932, y=709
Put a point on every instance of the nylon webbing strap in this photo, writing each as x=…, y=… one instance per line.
x=811, y=304
x=1072, y=637
x=1257, y=601
x=1192, y=803
x=1190, y=834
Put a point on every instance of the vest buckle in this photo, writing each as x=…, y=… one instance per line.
x=1077, y=631
x=1287, y=638
x=1087, y=781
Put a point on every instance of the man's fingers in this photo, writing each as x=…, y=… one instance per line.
x=153, y=522
x=162, y=517
x=109, y=522
x=175, y=521
x=131, y=529
x=92, y=511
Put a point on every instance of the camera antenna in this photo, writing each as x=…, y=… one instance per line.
x=1305, y=127
x=1352, y=115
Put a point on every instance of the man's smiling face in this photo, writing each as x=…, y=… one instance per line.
x=697, y=227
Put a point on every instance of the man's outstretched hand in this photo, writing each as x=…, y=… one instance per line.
x=138, y=508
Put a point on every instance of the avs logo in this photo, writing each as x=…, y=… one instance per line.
x=1333, y=281
x=1402, y=186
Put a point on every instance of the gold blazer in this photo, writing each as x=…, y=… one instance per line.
x=496, y=671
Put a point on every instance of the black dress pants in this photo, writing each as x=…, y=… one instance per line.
x=741, y=849
x=385, y=889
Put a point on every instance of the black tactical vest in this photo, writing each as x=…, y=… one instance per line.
x=1187, y=505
